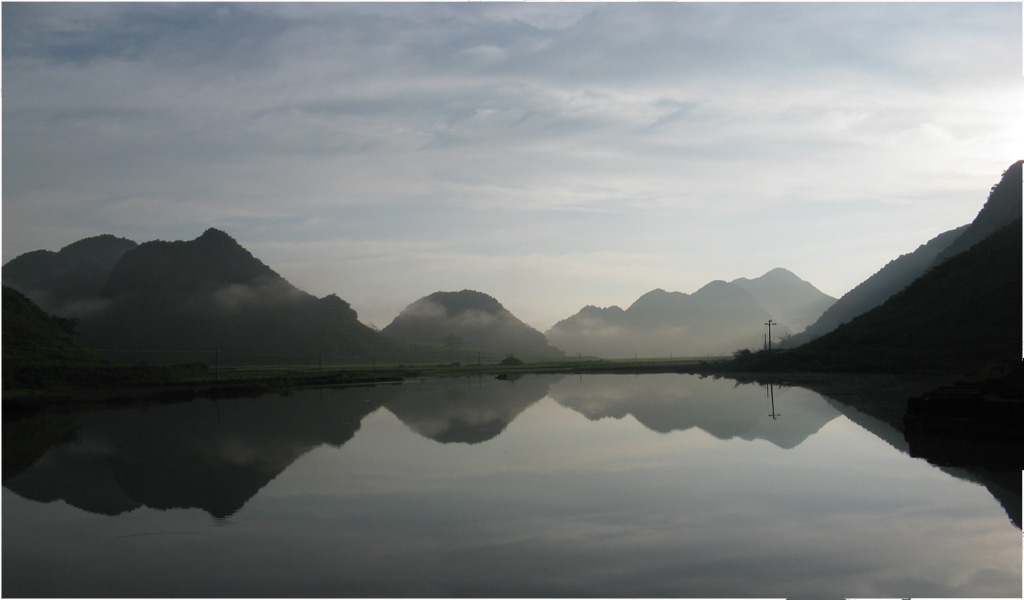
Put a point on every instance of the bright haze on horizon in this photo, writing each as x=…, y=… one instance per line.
x=550, y=155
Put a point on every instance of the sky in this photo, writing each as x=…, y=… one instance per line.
x=550, y=155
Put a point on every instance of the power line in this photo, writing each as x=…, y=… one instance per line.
x=769, y=324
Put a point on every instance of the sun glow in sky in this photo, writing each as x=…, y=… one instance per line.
x=551, y=155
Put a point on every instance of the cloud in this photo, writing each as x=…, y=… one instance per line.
x=425, y=309
x=262, y=291
x=512, y=132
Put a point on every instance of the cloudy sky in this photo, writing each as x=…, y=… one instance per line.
x=551, y=155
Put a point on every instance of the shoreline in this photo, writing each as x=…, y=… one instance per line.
x=881, y=395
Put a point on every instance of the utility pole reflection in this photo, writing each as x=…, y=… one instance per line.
x=769, y=392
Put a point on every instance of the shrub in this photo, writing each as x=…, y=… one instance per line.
x=511, y=361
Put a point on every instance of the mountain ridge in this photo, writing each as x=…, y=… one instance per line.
x=65, y=282
x=210, y=300
x=470, y=320
x=963, y=314
x=789, y=299
x=210, y=293
x=717, y=318
x=1002, y=206
x=896, y=275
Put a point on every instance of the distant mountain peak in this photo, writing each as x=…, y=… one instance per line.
x=592, y=309
x=457, y=303
x=719, y=288
x=100, y=242
x=212, y=260
x=780, y=274
x=656, y=296
x=787, y=298
x=67, y=281
x=719, y=317
x=716, y=283
x=213, y=235
x=476, y=319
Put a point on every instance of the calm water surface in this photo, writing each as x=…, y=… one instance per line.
x=657, y=485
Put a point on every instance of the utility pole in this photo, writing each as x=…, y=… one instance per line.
x=769, y=324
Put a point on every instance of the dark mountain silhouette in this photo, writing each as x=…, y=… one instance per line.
x=210, y=299
x=44, y=352
x=1002, y=207
x=875, y=290
x=787, y=298
x=963, y=314
x=212, y=261
x=715, y=319
x=67, y=282
x=30, y=336
x=211, y=455
x=468, y=320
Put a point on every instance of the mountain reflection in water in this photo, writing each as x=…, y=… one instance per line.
x=217, y=454
x=724, y=411
x=601, y=485
x=208, y=454
x=468, y=410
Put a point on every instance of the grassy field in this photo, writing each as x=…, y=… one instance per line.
x=584, y=365
x=31, y=382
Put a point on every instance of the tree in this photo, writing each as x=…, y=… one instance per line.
x=511, y=360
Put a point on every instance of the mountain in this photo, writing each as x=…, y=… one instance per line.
x=716, y=319
x=67, y=282
x=963, y=314
x=30, y=336
x=211, y=300
x=1002, y=207
x=44, y=353
x=468, y=320
x=787, y=298
x=875, y=290
x=965, y=310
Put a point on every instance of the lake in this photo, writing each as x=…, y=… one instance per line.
x=595, y=485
